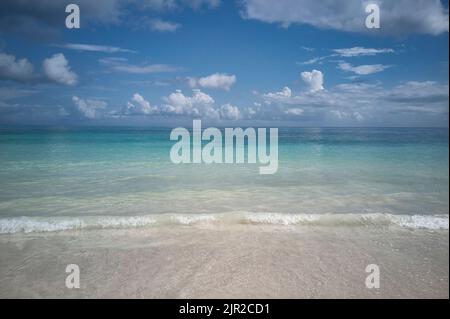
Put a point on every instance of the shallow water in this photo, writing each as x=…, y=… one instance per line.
x=107, y=177
x=243, y=261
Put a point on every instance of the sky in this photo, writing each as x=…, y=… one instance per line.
x=278, y=63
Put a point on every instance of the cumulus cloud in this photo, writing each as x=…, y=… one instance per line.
x=57, y=69
x=90, y=109
x=362, y=69
x=313, y=79
x=199, y=104
x=229, y=112
x=397, y=17
x=95, y=48
x=285, y=93
x=214, y=81
x=416, y=93
x=15, y=69
x=359, y=102
x=139, y=105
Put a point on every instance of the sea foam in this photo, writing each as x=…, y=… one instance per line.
x=51, y=224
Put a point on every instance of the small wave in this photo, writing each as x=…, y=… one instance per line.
x=432, y=222
x=192, y=219
x=421, y=221
x=52, y=224
x=42, y=224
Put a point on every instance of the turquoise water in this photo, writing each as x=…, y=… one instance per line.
x=128, y=173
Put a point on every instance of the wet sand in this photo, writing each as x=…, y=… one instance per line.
x=241, y=261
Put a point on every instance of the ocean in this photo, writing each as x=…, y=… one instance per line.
x=111, y=202
x=76, y=178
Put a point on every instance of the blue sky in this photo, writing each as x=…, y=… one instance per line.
x=249, y=62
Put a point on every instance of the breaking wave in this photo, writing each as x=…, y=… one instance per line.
x=51, y=224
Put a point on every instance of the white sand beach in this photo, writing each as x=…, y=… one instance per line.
x=232, y=261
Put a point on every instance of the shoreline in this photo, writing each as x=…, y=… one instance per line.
x=232, y=261
x=48, y=224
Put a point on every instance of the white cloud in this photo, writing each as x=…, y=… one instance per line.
x=122, y=65
x=90, y=109
x=94, y=48
x=398, y=17
x=313, y=79
x=419, y=94
x=229, y=112
x=177, y=103
x=199, y=104
x=347, y=52
x=361, y=51
x=285, y=93
x=356, y=102
x=143, y=69
x=139, y=105
x=58, y=70
x=362, y=69
x=317, y=60
x=15, y=69
x=214, y=81
x=163, y=26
